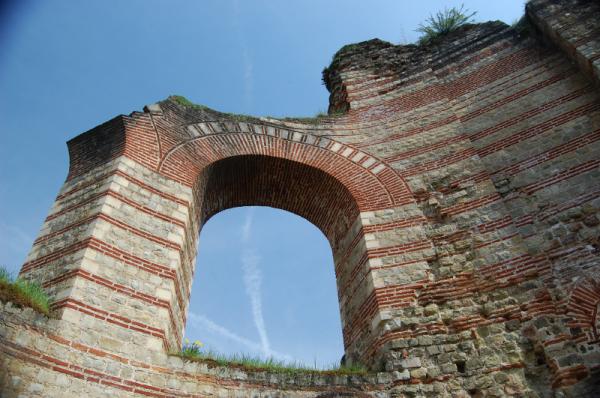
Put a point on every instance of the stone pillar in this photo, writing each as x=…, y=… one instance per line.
x=116, y=253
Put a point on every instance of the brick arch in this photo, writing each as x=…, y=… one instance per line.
x=324, y=181
x=373, y=184
x=147, y=182
x=258, y=180
x=304, y=190
x=583, y=307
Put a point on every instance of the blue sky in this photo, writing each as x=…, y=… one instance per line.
x=264, y=283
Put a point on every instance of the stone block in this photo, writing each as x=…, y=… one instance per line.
x=408, y=363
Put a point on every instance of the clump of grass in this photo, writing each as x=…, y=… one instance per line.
x=5, y=276
x=316, y=119
x=194, y=352
x=443, y=22
x=320, y=114
x=191, y=349
x=23, y=293
x=181, y=100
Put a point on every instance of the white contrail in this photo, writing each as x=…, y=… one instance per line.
x=202, y=323
x=252, y=282
x=246, y=227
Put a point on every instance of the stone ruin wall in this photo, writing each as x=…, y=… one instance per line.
x=459, y=191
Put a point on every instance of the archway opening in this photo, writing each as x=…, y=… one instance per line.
x=308, y=192
x=265, y=286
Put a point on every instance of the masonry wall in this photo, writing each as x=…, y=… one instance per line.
x=459, y=192
x=498, y=146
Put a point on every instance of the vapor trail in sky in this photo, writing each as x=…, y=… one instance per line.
x=253, y=281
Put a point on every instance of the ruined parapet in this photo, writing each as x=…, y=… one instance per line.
x=457, y=184
x=573, y=27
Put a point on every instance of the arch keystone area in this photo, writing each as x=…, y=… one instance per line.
x=374, y=184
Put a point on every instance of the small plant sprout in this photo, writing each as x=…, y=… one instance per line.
x=443, y=22
x=191, y=349
x=5, y=276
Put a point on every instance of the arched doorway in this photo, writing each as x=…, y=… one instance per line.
x=125, y=225
x=264, y=286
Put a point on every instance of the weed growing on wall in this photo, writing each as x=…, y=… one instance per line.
x=195, y=352
x=181, y=100
x=23, y=293
x=443, y=22
x=191, y=349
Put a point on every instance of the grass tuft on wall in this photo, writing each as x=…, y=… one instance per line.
x=194, y=352
x=23, y=293
x=443, y=22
